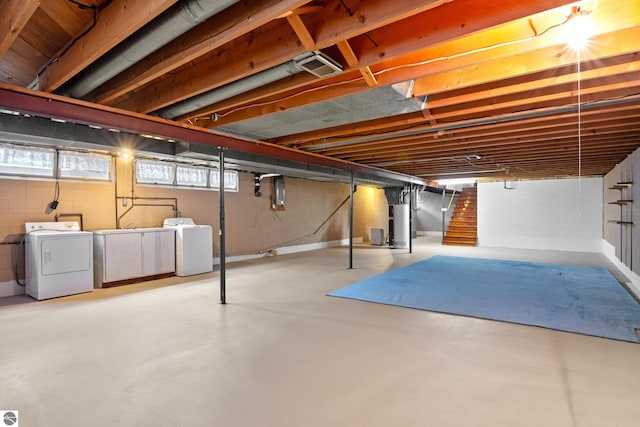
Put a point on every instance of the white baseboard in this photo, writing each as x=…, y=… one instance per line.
x=633, y=279
x=540, y=243
x=289, y=250
x=11, y=288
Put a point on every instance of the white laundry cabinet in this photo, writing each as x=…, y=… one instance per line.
x=121, y=255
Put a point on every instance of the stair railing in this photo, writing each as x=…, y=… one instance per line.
x=445, y=210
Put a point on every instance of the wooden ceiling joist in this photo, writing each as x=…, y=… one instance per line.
x=217, y=31
x=302, y=32
x=119, y=20
x=627, y=112
x=275, y=47
x=15, y=15
x=351, y=58
x=483, y=67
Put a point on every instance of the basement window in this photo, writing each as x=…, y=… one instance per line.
x=22, y=160
x=230, y=179
x=179, y=175
x=84, y=165
x=191, y=176
x=155, y=172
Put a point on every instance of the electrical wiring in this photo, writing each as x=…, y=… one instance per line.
x=473, y=51
x=56, y=192
x=260, y=104
x=403, y=66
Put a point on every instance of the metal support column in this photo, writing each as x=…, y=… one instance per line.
x=411, y=218
x=351, y=222
x=223, y=267
x=444, y=192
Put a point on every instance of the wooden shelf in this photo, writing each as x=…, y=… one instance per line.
x=621, y=185
x=623, y=202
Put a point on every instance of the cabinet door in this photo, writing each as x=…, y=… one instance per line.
x=122, y=257
x=158, y=249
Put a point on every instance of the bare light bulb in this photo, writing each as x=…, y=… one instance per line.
x=578, y=29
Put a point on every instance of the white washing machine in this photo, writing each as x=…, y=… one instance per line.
x=58, y=259
x=194, y=246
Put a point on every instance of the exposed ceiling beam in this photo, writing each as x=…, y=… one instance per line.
x=119, y=20
x=15, y=15
x=613, y=44
x=231, y=62
x=450, y=21
x=484, y=64
x=480, y=134
x=222, y=28
x=316, y=92
x=276, y=46
x=75, y=111
x=622, y=57
x=302, y=32
x=543, y=82
x=404, y=130
x=484, y=139
x=280, y=88
x=350, y=56
x=540, y=145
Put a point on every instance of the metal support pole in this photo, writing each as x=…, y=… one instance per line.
x=411, y=218
x=351, y=222
x=223, y=267
x=444, y=192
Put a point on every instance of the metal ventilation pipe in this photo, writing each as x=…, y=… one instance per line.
x=227, y=91
x=174, y=22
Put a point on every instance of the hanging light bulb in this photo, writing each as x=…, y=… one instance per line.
x=578, y=28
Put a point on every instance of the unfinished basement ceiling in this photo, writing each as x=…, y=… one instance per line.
x=506, y=97
x=370, y=104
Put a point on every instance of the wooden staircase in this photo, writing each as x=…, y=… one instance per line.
x=463, y=227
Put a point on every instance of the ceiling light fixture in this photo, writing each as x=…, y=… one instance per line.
x=577, y=32
x=578, y=28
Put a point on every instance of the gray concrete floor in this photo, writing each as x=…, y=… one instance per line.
x=282, y=353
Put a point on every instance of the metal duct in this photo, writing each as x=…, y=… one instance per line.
x=174, y=22
x=232, y=89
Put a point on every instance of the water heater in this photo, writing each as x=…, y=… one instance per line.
x=399, y=226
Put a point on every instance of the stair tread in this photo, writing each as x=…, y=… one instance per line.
x=463, y=227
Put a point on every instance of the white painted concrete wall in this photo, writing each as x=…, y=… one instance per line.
x=560, y=214
x=624, y=239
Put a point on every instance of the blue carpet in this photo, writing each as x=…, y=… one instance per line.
x=586, y=300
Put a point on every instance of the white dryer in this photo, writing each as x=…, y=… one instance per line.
x=58, y=259
x=194, y=246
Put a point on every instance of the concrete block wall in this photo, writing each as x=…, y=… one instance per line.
x=252, y=226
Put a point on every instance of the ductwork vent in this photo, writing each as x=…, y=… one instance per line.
x=319, y=65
